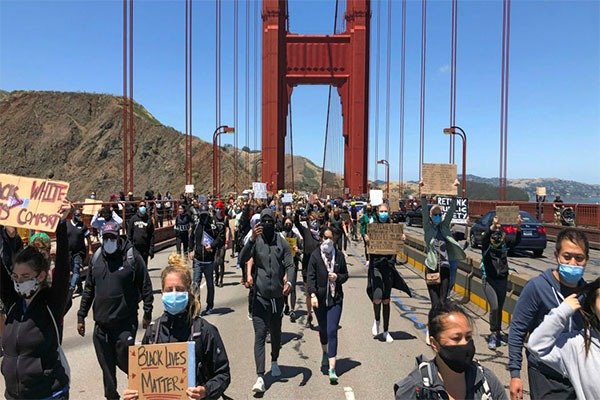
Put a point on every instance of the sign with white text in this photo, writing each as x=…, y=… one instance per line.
x=461, y=214
x=260, y=190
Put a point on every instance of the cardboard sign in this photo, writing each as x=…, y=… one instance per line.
x=30, y=202
x=376, y=197
x=189, y=189
x=439, y=179
x=385, y=239
x=260, y=190
x=293, y=242
x=287, y=198
x=507, y=215
x=540, y=191
x=91, y=209
x=461, y=214
x=162, y=371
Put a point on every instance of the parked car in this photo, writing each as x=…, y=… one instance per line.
x=414, y=217
x=398, y=216
x=533, y=233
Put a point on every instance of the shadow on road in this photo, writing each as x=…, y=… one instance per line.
x=287, y=372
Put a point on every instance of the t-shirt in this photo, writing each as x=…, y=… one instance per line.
x=77, y=232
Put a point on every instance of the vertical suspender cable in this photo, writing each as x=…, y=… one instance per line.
x=218, y=88
x=423, y=60
x=187, y=141
x=257, y=21
x=453, y=78
x=388, y=86
x=504, y=98
x=131, y=115
x=402, y=84
x=190, y=136
x=125, y=103
x=292, y=146
x=247, y=93
x=377, y=65
x=235, y=94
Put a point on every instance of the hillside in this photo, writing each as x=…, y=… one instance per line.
x=77, y=137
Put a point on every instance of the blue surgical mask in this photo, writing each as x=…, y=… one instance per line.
x=570, y=274
x=175, y=302
x=142, y=210
x=437, y=219
x=383, y=216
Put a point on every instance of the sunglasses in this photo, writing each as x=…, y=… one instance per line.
x=436, y=215
x=578, y=257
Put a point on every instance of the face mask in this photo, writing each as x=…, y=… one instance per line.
x=314, y=225
x=268, y=230
x=218, y=213
x=458, y=357
x=383, y=216
x=110, y=246
x=288, y=228
x=327, y=246
x=570, y=274
x=77, y=218
x=437, y=219
x=175, y=302
x=142, y=210
x=288, y=211
x=28, y=288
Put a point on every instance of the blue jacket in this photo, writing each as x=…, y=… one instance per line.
x=539, y=296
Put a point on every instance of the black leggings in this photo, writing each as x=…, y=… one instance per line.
x=495, y=292
x=438, y=293
x=181, y=239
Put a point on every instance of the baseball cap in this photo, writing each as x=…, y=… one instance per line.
x=203, y=209
x=110, y=228
x=220, y=204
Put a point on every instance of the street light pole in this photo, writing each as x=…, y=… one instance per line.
x=387, y=177
x=456, y=130
x=216, y=167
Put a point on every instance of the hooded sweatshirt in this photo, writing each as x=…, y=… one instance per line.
x=565, y=351
x=539, y=296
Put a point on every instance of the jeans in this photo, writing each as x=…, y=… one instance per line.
x=76, y=262
x=453, y=272
x=206, y=269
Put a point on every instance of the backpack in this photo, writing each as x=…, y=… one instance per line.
x=130, y=258
x=425, y=392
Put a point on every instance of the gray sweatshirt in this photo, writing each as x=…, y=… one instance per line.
x=565, y=351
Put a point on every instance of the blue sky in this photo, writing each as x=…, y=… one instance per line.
x=554, y=92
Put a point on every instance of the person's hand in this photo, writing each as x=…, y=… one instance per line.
x=208, y=248
x=495, y=223
x=145, y=323
x=519, y=220
x=65, y=209
x=421, y=183
x=191, y=255
x=516, y=389
x=81, y=328
x=456, y=183
x=403, y=237
x=573, y=302
x=366, y=239
x=332, y=276
x=287, y=287
x=198, y=392
x=256, y=231
x=295, y=249
x=314, y=302
x=249, y=282
x=130, y=394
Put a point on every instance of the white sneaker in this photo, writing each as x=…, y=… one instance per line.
x=388, y=338
x=275, y=371
x=375, y=329
x=259, y=386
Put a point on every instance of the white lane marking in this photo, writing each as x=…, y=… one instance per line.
x=349, y=393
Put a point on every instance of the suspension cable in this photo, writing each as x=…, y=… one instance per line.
x=422, y=108
x=377, y=67
x=453, y=78
x=504, y=97
x=402, y=85
x=217, y=184
x=292, y=145
x=388, y=86
x=247, y=94
x=256, y=50
x=235, y=94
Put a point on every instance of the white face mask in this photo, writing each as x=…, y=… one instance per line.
x=28, y=288
x=327, y=246
x=110, y=245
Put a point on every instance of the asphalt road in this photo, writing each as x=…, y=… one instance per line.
x=367, y=367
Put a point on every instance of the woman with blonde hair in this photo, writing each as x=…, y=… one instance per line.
x=181, y=322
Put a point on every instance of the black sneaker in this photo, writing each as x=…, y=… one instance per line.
x=292, y=316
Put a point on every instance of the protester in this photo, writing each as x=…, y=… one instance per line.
x=33, y=365
x=140, y=232
x=183, y=222
x=291, y=233
x=117, y=280
x=104, y=215
x=311, y=242
x=540, y=295
x=273, y=273
x=576, y=355
x=327, y=272
x=452, y=374
x=223, y=232
x=10, y=244
x=181, y=322
x=80, y=246
x=366, y=218
x=494, y=269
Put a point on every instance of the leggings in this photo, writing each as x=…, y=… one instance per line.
x=495, y=292
x=438, y=293
x=329, y=320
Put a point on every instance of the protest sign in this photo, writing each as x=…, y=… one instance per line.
x=91, y=209
x=385, y=239
x=162, y=371
x=461, y=214
x=439, y=179
x=507, y=215
x=287, y=198
x=260, y=190
x=376, y=197
x=293, y=242
x=30, y=202
x=189, y=188
x=540, y=191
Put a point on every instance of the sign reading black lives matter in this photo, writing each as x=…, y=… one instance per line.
x=385, y=239
x=30, y=202
x=461, y=214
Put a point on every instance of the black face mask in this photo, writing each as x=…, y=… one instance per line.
x=203, y=219
x=287, y=227
x=268, y=230
x=459, y=357
x=314, y=225
x=369, y=210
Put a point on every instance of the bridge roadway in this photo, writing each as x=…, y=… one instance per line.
x=367, y=367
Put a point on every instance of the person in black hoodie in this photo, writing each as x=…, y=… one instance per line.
x=140, y=233
x=538, y=297
x=495, y=246
x=33, y=365
x=327, y=271
x=183, y=222
x=181, y=322
x=117, y=280
x=204, y=239
x=274, y=273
